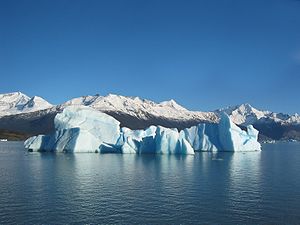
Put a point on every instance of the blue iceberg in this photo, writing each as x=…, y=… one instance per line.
x=224, y=136
x=83, y=129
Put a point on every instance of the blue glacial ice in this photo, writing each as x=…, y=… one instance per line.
x=78, y=129
x=224, y=136
x=83, y=129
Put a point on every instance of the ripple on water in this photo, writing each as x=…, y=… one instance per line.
x=208, y=188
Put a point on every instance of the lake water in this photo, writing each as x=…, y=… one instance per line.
x=223, y=188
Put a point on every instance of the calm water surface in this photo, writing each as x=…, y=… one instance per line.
x=223, y=188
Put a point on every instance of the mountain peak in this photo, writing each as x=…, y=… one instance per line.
x=242, y=108
x=13, y=94
x=38, y=102
x=246, y=105
x=173, y=104
x=17, y=102
x=13, y=100
x=243, y=114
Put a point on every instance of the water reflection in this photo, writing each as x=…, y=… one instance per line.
x=244, y=187
x=244, y=168
x=214, y=188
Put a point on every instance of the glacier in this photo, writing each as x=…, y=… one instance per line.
x=84, y=129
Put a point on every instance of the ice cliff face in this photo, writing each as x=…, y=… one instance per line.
x=83, y=129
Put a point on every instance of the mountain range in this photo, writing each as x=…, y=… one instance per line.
x=22, y=116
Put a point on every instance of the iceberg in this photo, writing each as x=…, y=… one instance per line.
x=83, y=129
x=232, y=137
x=98, y=124
x=78, y=129
x=224, y=136
x=169, y=141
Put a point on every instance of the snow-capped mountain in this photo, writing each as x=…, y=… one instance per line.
x=17, y=102
x=12, y=101
x=31, y=116
x=141, y=108
x=245, y=114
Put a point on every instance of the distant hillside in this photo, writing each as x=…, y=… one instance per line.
x=12, y=135
x=22, y=116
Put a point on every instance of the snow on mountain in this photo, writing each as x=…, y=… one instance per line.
x=172, y=104
x=14, y=100
x=245, y=114
x=17, y=102
x=37, y=103
x=140, y=108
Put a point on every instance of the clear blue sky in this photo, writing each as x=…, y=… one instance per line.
x=205, y=54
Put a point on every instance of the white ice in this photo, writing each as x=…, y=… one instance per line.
x=83, y=129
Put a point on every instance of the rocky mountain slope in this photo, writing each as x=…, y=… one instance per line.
x=245, y=114
x=17, y=103
x=30, y=116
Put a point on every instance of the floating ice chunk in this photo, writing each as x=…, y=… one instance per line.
x=36, y=143
x=99, y=124
x=67, y=140
x=203, y=137
x=78, y=129
x=153, y=140
x=168, y=141
x=137, y=141
x=109, y=148
x=225, y=136
x=83, y=129
x=233, y=138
